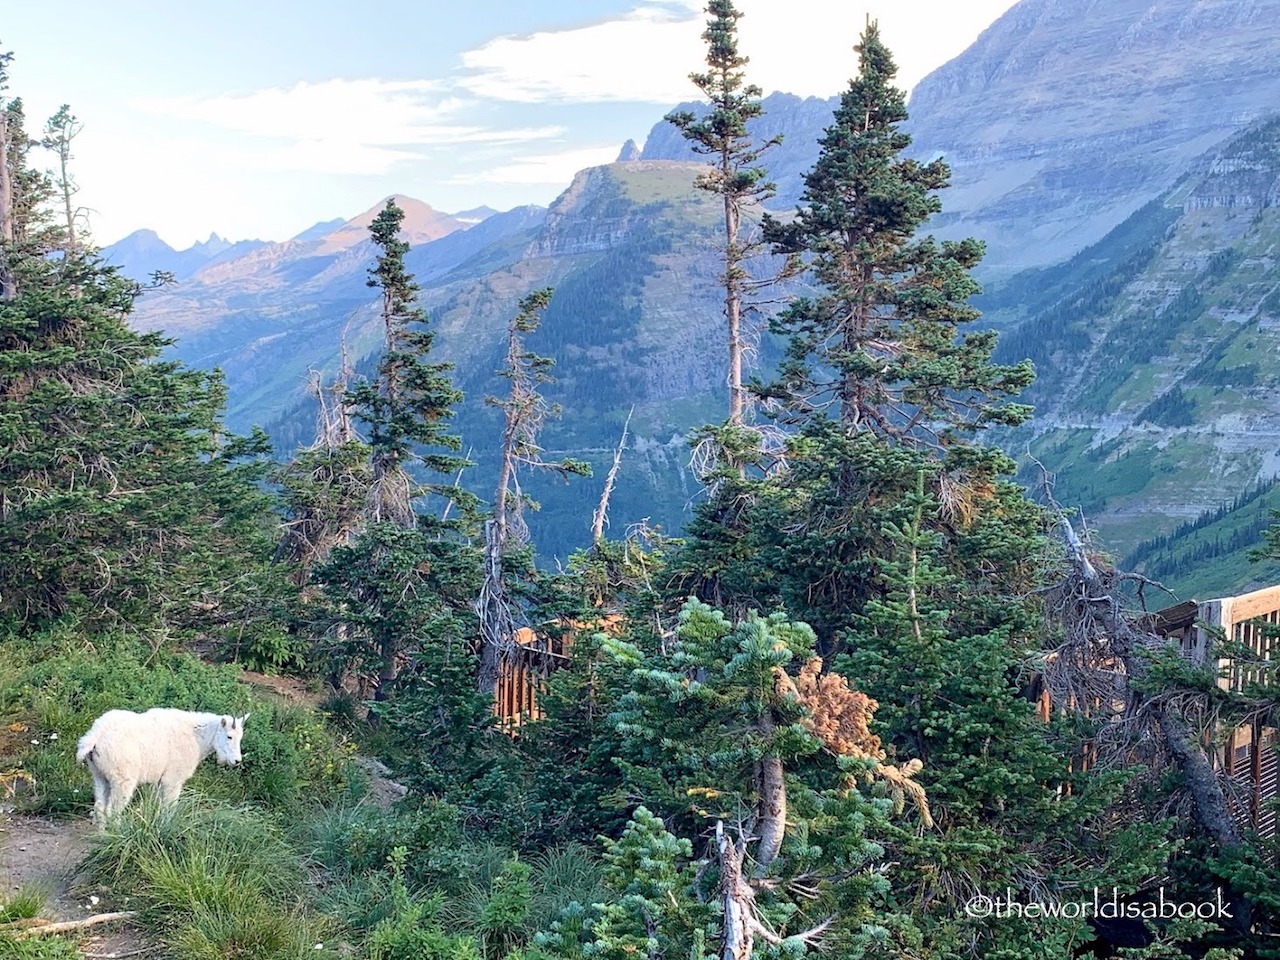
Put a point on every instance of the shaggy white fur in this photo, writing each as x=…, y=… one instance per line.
x=162, y=746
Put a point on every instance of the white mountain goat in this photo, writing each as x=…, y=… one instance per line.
x=162, y=746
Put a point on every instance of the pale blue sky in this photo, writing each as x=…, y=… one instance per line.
x=257, y=119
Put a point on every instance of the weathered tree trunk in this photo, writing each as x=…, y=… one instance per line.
x=65, y=183
x=602, y=510
x=497, y=626
x=733, y=299
x=1209, y=802
x=8, y=284
x=772, y=812
x=738, y=900
x=388, y=670
x=742, y=924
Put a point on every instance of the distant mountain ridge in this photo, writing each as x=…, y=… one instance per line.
x=1066, y=116
x=272, y=313
x=1157, y=390
x=143, y=253
x=1057, y=127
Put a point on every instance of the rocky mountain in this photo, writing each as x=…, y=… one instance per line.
x=474, y=215
x=270, y=315
x=801, y=120
x=1062, y=119
x=142, y=253
x=1130, y=254
x=630, y=251
x=1158, y=395
x=1066, y=116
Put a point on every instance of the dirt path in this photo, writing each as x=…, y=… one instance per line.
x=44, y=853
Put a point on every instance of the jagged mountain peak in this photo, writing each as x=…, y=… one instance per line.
x=630, y=151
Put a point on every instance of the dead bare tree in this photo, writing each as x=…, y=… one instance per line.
x=329, y=510
x=1103, y=667
x=601, y=515
x=742, y=920
x=525, y=411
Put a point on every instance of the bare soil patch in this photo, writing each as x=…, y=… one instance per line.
x=43, y=852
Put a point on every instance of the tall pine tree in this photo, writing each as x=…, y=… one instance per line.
x=735, y=174
x=404, y=584
x=122, y=498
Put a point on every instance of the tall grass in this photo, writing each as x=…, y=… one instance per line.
x=24, y=904
x=215, y=882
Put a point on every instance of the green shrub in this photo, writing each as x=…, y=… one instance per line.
x=356, y=839
x=255, y=931
x=411, y=931
x=22, y=904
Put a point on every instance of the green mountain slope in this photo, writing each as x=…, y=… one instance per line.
x=631, y=249
x=1157, y=391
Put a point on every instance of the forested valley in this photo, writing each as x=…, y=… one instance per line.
x=879, y=699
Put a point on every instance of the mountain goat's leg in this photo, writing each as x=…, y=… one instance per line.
x=170, y=786
x=101, y=795
x=121, y=793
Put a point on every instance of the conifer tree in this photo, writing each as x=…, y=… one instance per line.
x=7, y=286
x=405, y=583
x=59, y=131
x=525, y=410
x=408, y=407
x=717, y=729
x=897, y=535
x=879, y=348
x=122, y=498
x=735, y=173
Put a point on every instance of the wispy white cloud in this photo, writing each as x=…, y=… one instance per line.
x=643, y=56
x=339, y=126
x=548, y=168
x=804, y=47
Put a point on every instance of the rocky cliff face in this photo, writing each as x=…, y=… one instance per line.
x=1062, y=119
x=1067, y=115
x=1246, y=173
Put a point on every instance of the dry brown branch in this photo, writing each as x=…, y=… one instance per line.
x=841, y=717
x=66, y=926
x=10, y=925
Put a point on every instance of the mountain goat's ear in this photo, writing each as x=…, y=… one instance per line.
x=244, y=720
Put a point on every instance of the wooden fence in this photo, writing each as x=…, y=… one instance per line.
x=522, y=677
x=1246, y=757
